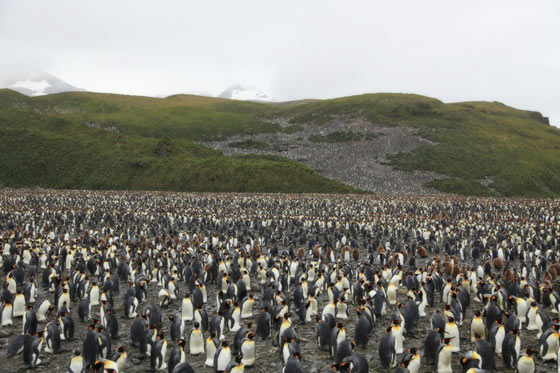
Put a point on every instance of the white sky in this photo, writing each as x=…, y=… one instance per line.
x=507, y=51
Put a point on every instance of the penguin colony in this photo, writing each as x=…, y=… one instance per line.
x=118, y=282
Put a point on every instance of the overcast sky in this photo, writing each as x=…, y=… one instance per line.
x=507, y=51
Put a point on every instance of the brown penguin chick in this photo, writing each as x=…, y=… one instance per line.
x=556, y=267
x=405, y=255
x=356, y=254
x=456, y=271
x=552, y=271
x=316, y=252
x=447, y=268
x=508, y=275
x=422, y=252
x=300, y=253
x=498, y=264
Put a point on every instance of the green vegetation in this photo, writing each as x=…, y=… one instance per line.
x=104, y=141
x=249, y=144
x=472, y=140
x=46, y=142
x=342, y=137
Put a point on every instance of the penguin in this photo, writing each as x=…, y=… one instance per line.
x=183, y=368
x=248, y=350
x=44, y=310
x=477, y=326
x=130, y=306
x=105, y=366
x=157, y=354
x=29, y=321
x=356, y=363
x=511, y=348
x=337, y=334
x=525, y=362
x=63, y=300
x=16, y=344
x=177, y=355
x=443, y=361
x=484, y=349
x=234, y=319
x=19, y=306
x=90, y=350
x=431, y=345
x=344, y=349
x=84, y=310
x=413, y=360
x=52, y=338
x=496, y=335
x=341, y=310
x=387, y=352
x=66, y=327
x=222, y=358
x=212, y=345
x=264, y=324
x=392, y=294
x=187, y=309
x=76, y=364
x=329, y=309
x=32, y=350
x=362, y=329
x=451, y=332
x=323, y=334
x=397, y=332
x=239, y=336
x=111, y=323
x=293, y=364
x=120, y=357
x=531, y=317
x=247, y=307
x=6, y=314
x=548, y=344
x=471, y=360
x=104, y=342
x=94, y=295
x=137, y=331
x=196, y=340
x=177, y=327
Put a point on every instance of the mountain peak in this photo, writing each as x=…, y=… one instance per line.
x=238, y=92
x=36, y=84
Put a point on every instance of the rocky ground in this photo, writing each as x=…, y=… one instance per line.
x=362, y=164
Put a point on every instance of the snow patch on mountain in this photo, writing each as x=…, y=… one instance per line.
x=35, y=83
x=237, y=92
x=37, y=88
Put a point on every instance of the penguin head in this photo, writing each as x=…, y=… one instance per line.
x=98, y=367
x=530, y=351
x=121, y=349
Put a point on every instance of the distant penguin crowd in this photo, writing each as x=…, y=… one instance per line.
x=178, y=282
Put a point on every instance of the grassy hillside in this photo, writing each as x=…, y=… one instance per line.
x=515, y=150
x=98, y=141
x=91, y=140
